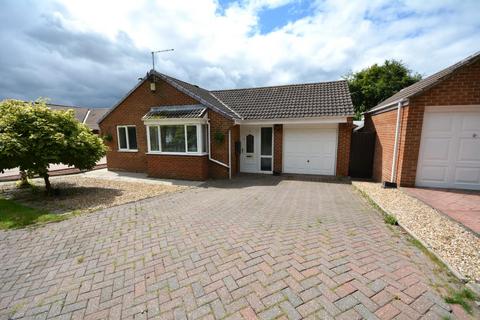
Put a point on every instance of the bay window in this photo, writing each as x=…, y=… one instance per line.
x=177, y=138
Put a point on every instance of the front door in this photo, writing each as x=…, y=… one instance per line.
x=256, y=149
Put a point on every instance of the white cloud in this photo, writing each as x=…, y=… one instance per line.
x=222, y=47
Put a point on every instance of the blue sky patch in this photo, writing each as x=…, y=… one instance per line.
x=271, y=19
x=274, y=18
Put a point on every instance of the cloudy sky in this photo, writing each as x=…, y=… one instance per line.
x=90, y=53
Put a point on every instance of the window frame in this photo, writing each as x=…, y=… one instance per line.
x=199, y=133
x=126, y=126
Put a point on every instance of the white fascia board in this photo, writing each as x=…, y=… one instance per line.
x=318, y=120
x=391, y=106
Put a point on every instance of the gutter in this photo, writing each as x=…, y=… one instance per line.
x=387, y=106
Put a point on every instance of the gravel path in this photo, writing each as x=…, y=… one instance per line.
x=84, y=194
x=457, y=246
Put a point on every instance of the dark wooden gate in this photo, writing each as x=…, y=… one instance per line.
x=362, y=149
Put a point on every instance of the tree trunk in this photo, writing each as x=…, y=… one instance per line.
x=48, y=186
x=23, y=179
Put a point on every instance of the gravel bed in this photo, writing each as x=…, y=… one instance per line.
x=83, y=194
x=457, y=246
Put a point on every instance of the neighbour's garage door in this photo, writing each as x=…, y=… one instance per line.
x=310, y=150
x=450, y=149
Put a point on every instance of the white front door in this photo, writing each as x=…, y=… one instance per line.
x=256, y=154
x=449, y=154
x=310, y=150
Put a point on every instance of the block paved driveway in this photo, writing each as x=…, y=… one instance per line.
x=257, y=247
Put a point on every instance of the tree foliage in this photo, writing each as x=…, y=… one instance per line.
x=32, y=137
x=376, y=83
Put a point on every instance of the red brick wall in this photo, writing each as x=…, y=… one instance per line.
x=277, y=148
x=343, y=149
x=461, y=88
x=178, y=167
x=384, y=125
x=219, y=151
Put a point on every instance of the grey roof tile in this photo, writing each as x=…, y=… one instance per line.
x=80, y=112
x=276, y=102
x=203, y=95
x=290, y=101
x=94, y=116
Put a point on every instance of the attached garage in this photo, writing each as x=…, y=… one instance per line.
x=310, y=150
x=449, y=154
x=428, y=134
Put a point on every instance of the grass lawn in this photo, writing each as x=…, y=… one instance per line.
x=14, y=215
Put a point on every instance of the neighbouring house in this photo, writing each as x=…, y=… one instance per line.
x=88, y=116
x=169, y=128
x=428, y=134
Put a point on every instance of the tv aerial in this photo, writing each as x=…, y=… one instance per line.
x=153, y=56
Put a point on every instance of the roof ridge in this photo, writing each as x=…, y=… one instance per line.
x=194, y=95
x=225, y=105
x=69, y=106
x=279, y=86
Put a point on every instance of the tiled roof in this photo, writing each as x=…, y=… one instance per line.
x=290, y=101
x=80, y=113
x=308, y=100
x=426, y=83
x=176, y=112
x=94, y=116
x=202, y=95
x=88, y=116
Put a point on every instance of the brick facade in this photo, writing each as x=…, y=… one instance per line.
x=461, y=88
x=343, y=148
x=177, y=167
x=219, y=150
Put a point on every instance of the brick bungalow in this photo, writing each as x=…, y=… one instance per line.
x=169, y=128
x=428, y=134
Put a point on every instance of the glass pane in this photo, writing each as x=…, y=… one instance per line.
x=266, y=164
x=173, y=138
x=132, y=137
x=154, y=143
x=205, y=138
x=122, y=138
x=192, y=138
x=266, y=142
x=250, y=144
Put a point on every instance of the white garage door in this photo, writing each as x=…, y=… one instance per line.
x=310, y=150
x=450, y=150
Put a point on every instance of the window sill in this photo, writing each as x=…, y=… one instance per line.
x=128, y=150
x=177, y=154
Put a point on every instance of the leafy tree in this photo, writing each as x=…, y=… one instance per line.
x=32, y=137
x=374, y=84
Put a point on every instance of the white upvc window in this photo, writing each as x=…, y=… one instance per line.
x=127, y=138
x=171, y=138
